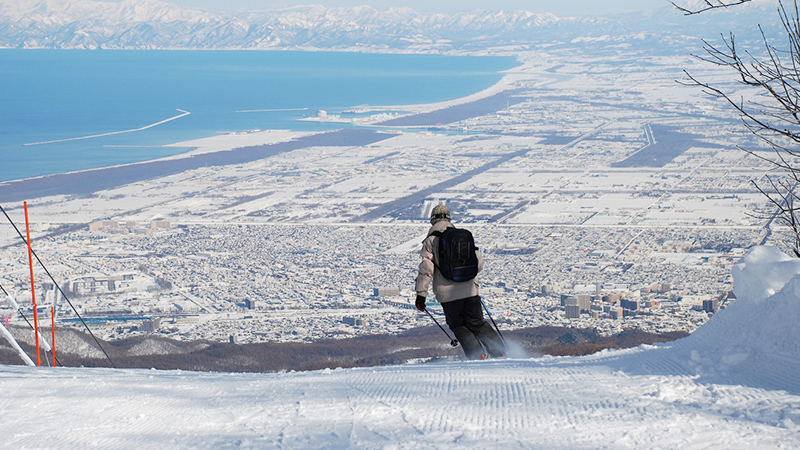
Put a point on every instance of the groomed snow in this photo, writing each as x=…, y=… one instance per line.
x=732, y=384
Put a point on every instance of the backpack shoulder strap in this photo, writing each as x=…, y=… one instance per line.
x=434, y=233
x=438, y=233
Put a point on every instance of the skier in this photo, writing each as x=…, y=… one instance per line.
x=459, y=299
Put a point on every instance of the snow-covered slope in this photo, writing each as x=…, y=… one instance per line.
x=554, y=403
x=732, y=384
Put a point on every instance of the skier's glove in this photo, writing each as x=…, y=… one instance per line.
x=420, y=303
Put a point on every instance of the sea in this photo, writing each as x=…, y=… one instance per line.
x=69, y=110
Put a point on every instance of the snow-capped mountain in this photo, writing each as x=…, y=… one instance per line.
x=155, y=24
x=148, y=24
x=130, y=24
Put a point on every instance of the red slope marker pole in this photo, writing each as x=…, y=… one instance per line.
x=53, y=329
x=33, y=290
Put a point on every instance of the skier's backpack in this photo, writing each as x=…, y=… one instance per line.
x=457, y=259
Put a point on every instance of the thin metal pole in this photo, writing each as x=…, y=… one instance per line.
x=493, y=322
x=453, y=342
x=53, y=329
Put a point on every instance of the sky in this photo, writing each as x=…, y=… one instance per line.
x=562, y=7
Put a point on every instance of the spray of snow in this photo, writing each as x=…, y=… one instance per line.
x=516, y=350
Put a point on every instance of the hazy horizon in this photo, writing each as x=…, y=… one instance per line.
x=564, y=7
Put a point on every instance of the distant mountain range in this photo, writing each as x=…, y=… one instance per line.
x=151, y=24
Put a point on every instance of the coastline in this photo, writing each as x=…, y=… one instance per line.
x=246, y=146
x=505, y=83
x=91, y=181
x=214, y=116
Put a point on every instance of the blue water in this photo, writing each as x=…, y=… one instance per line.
x=50, y=95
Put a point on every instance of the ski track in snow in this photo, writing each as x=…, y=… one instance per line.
x=733, y=384
x=543, y=403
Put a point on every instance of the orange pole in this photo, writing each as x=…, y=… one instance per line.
x=53, y=329
x=33, y=290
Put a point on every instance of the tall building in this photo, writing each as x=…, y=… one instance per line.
x=160, y=223
x=150, y=325
x=584, y=301
x=631, y=305
x=572, y=311
x=711, y=306
x=95, y=285
x=250, y=304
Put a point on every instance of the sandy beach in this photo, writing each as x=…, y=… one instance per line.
x=458, y=112
x=89, y=181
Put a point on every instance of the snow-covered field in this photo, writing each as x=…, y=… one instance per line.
x=732, y=384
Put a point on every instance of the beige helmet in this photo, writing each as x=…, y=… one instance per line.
x=439, y=213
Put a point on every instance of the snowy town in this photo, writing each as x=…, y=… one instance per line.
x=626, y=212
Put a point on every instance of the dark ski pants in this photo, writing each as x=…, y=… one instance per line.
x=465, y=319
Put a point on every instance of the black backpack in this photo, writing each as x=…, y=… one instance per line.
x=457, y=259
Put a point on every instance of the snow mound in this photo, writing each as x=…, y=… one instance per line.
x=755, y=341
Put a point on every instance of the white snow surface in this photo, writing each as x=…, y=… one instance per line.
x=733, y=384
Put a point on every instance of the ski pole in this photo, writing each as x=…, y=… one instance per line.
x=453, y=342
x=492, y=319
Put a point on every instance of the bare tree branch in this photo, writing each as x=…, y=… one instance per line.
x=773, y=114
x=709, y=5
